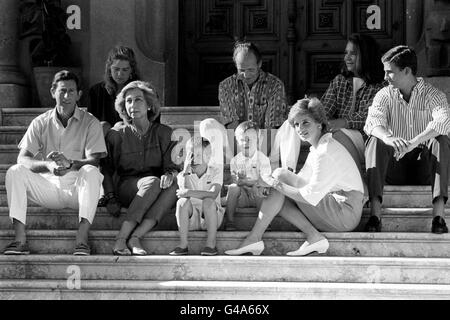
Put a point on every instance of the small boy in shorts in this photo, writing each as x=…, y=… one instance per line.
x=246, y=168
x=198, y=207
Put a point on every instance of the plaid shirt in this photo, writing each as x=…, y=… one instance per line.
x=264, y=104
x=337, y=101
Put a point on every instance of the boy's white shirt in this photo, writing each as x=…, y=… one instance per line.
x=213, y=175
x=255, y=166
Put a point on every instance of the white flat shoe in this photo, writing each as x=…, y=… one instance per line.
x=255, y=249
x=306, y=248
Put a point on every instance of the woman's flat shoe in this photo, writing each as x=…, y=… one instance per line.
x=122, y=252
x=255, y=249
x=306, y=248
x=136, y=249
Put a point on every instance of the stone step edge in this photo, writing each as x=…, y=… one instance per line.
x=110, y=235
x=13, y=128
x=335, y=261
x=165, y=109
x=392, y=212
x=389, y=188
x=209, y=290
x=167, y=268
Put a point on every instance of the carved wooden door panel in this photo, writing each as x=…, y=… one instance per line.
x=208, y=29
x=324, y=28
x=302, y=41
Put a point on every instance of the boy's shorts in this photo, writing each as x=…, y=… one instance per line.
x=197, y=220
x=247, y=198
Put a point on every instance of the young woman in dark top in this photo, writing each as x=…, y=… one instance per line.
x=140, y=152
x=120, y=69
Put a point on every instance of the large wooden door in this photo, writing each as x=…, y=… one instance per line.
x=208, y=29
x=324, y=28
x=302, y=41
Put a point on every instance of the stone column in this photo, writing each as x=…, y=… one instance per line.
x=13, y=84
x=156, y=29
x=414, y=21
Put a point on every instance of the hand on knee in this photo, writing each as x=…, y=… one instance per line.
x=279, y=173
x=233, y=191
x=209, y=205
x=182, y=202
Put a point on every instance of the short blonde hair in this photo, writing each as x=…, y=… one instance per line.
x=311, y=107
x=150, y=96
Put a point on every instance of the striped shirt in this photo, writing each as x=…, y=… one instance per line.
x=427, y=109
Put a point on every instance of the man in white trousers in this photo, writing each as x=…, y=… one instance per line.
x=57, y=164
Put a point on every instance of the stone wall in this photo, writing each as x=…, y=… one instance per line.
x=132, y=23
x=149, y=27
x=442, y=83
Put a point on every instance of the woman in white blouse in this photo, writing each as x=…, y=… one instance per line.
x=326, y=195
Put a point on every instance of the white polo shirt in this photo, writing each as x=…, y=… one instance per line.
x=212, y=176
x=258, y=165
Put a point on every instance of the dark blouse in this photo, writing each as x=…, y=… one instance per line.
x=132, y=155
x=101, y=104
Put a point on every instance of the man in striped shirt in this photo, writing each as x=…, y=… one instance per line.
x=408, y=124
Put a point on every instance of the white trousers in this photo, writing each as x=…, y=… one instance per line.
x=76, y=190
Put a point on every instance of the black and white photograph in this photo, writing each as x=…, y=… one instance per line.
x=225, y=156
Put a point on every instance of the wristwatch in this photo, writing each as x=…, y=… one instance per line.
x=71, y=164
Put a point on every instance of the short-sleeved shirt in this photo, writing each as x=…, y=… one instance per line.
x=338, y=98
x=264, y=103
x=133, y=155
x=329, y=168
x=427, y=109
x=213, y=175
x=254, y=167
x=82, y=137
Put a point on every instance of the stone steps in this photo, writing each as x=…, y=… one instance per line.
x=215, y=290
x=3, y=169
x=385, y=244
x=188, y=115
x=243, y=268
x=19, y=116
x=8, y=154
x=394, y=220
x=11, y=134
x=169, y=115
x=394, y=197
x=397, y=264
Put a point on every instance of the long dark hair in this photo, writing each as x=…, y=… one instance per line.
x=369, y=52
x=119, y=53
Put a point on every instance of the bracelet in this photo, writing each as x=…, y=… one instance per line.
x=109, y=196
x=71, y=164
x=172, y=173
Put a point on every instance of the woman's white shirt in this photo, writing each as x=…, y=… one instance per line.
x=329, y=168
